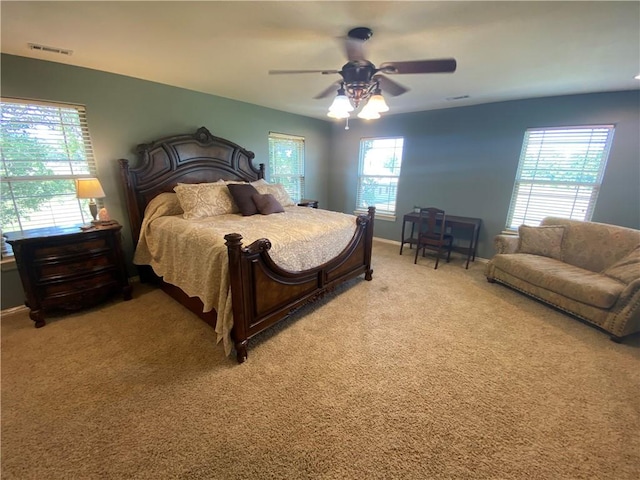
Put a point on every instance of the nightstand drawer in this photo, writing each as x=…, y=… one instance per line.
x=73, y=267
x=71, y=249
x=79, y=285
x=74, y=300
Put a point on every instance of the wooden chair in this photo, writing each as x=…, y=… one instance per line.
x=431, y=233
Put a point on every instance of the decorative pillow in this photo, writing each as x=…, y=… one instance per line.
x=242, y=193
x=260, y=181
x=278, y=191
x=267, y=204
x=199, y=200
x=545, y=241
x=626, y=269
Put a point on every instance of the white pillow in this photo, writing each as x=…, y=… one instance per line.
x=199, y=200
x=278, y=191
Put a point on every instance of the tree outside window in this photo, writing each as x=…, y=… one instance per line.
x=286, y=163
x=45, y=147
x=559, y=174
x=380, y=163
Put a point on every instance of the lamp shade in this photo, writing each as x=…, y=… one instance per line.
x=337, y=114
x=89, y=188
x=341, y=105
x=377, y=103
x=368, y=112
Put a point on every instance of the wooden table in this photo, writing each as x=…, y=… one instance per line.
x=470, y=224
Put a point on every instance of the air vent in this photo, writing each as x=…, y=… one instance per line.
x=44, y=48
x=460, y=97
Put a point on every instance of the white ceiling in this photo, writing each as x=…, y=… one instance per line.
x=505, y=50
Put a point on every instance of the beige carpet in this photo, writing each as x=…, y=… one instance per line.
x=419, y=374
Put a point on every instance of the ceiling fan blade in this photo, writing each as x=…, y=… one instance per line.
x=354, y=43
x=442, y=65
x=389, y=86
x=284, y=72
x=355, y=49
x=333, y=88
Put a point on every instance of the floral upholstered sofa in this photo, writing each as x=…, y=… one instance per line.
x=590, y=270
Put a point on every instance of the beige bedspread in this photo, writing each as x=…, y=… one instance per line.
x=192, y=255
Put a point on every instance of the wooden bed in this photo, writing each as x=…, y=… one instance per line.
x=262, y=293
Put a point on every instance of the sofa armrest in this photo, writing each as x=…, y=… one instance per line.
x=506, y=243
x=626, y=318
x=630, y=290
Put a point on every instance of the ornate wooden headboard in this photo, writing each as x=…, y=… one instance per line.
x=190, y=158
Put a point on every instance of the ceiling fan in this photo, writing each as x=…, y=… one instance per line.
x=362, y=80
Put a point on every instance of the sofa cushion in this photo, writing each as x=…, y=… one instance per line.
x=626, y=269
x=573, y=282
x=594, y=246
x=545, y=241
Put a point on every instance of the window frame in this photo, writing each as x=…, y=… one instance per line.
x=542, y=149
x=85, y=165
x=389, y=214
x=287, y=179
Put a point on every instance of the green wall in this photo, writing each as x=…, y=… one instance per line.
x=123, y=112
x=461, y=159
x=464, y=160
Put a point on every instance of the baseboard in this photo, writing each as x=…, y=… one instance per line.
x=384, y=240
x=19, y=308
x=10, y=310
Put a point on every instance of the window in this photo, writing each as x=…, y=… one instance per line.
x=559, y=174
x=380, y=161
x=45, y=147
x=286, y=163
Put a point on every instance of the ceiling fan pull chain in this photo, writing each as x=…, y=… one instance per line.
x=346, y=126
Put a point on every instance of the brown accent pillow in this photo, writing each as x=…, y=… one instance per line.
x=545, y=241
x=626, y=269
x=267, y=204
x=241, y=194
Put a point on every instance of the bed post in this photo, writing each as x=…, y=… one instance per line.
x=368, y=274
x=135, y=220
x=240, y=330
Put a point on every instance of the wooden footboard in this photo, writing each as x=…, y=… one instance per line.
x=262, y=293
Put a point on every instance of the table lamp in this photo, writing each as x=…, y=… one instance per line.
x=90, y=188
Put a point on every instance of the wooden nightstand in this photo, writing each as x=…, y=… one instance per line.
x=69, y=268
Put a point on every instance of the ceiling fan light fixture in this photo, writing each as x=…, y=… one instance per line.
x=368, y=112
x=361, y=81
x=377, y=102
x=338, y=114
x=341, y=104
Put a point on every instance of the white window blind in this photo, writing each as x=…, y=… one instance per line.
x=45, y=147
x=380, y=163
x=286, y=163
x=559, y=174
